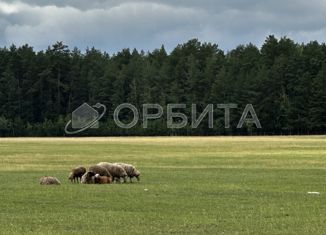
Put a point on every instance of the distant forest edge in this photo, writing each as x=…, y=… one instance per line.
x=283, y=80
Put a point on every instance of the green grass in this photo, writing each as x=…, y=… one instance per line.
x=222, y=185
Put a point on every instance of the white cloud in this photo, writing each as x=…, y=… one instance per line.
x=8, y=8
x=123, y=25
x=112, y=25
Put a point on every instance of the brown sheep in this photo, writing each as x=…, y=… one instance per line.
x=102, y=179
x=131, y=171
x=102, y=171
x=49, y=180
x=77, y=173
x=115, y=170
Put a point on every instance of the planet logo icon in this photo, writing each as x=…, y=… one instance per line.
x=85, y=117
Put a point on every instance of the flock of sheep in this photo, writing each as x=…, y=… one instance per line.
x=101, y=173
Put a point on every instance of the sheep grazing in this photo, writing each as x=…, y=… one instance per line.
x=88, y=178
x=49, y=180
x=102, y=179
x=115, y=170
x=97, y=169
x=131, y=171
x=77, y=173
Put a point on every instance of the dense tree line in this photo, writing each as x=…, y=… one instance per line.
x=285, y=81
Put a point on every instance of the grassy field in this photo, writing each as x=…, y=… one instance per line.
x=222, y=185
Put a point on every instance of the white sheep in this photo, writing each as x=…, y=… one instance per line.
x=131, y=170
x=115, y=170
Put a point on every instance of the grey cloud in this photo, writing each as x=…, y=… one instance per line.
x=112, y=25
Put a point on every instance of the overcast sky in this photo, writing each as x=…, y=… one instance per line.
x=111, y=25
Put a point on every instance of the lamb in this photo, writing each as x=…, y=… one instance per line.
x=49, y=180
x=77, y=173
x=115, y=170
x=102, y=179
x=97, y=169
x=131, y=171
x=88, y=178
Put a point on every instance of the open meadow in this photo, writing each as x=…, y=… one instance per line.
x=189, y=185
